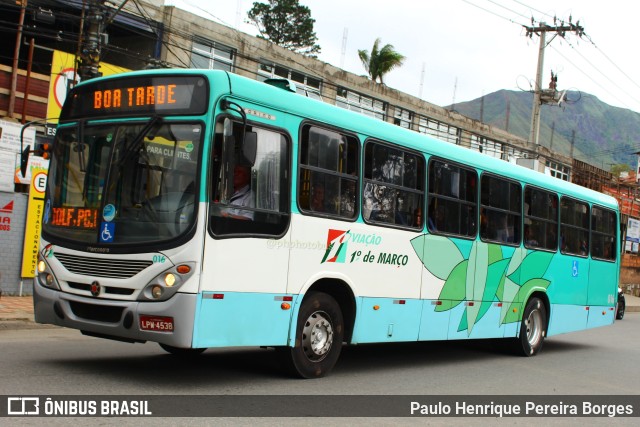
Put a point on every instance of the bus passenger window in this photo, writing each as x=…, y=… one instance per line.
x=603, y=232
x=500, y=210
x=328, y=176
x=574, y=227
x=540, y=219
x=453, y=199
x=394, y=190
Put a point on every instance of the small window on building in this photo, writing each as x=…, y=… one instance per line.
x=360, y=103
x=305, y=85
x=212, y=55
x=403, y=118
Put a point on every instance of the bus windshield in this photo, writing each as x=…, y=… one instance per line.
x=123, y=183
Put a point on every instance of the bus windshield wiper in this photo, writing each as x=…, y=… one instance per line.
x=133, y=146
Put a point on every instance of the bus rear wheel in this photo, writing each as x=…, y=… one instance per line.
x=318, y=339
x=533, y=328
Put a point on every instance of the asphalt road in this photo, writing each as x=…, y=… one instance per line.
x=55, y=361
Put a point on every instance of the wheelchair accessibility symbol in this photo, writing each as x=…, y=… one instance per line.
x=574, y=269
x=108, y=231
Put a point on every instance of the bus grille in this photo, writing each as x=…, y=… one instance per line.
x=99, y=313
x=109, y=268
x=107, y=289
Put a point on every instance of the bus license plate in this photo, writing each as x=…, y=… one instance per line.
x=156, y=323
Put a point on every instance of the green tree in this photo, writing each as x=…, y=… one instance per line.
x=287, y=24
x=380, y=61
x=616, y=170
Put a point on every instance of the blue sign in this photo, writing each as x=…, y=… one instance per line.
x=574, y=269
x=109, y=212
x=47, y=211
x=107, y=232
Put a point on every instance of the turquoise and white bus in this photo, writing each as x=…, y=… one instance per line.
x=351, y=230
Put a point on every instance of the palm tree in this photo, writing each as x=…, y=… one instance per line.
x=381, y=61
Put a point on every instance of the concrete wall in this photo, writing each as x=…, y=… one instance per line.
x=11, y=243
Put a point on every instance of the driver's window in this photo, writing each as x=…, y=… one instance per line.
x=250, y=198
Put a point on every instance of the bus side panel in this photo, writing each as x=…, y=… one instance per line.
x=569, y=276
x=434, y=325
x=567, y=318
x=487, y=327
x=241, y=319
x=600, y=315
x=387, y=320
x=603, y=283
x=603, y=293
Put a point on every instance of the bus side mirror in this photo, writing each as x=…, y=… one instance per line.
x=24, y=160
x=250, y=147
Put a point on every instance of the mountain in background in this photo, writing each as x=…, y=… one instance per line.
x=604, y=135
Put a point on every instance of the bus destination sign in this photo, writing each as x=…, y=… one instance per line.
x=131, y=96
x=75, y=217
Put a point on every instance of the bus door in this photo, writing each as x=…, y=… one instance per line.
x=603, y=277
x=245, y=260
x=570, y=270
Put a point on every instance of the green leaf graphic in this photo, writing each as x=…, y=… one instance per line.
x=463, y=323
x=510, y=290
x=516, y=259
x=534, y=265
x=495, y=253
x=523, y=292
x=495, y=276
x=453, y=290
x=476, y=280
x=438, y=254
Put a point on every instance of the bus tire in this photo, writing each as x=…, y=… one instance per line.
x=181, y=352
x=318, y=339
x=533, y=328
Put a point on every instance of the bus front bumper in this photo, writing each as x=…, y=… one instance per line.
x=115, y=319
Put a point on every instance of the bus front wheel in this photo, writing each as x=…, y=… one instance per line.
x=533, y=328
x=318, y=339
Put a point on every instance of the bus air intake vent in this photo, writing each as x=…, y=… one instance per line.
x=99, y=313
x=98, y=267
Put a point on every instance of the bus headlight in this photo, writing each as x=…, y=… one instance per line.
x=170, y=280
x=156, y=291
x=166, y=284
x=45, y=275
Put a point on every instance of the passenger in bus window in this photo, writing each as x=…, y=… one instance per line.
x=317, y=198
x=529, y=240
x=242, y=194
x=583, y=248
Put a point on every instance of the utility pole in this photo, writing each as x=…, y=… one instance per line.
x=573, y=142
x=540, y=95
x=89, y=64
x=16, y=58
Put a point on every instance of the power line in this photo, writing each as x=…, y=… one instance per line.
x=510, y=10
x=491, y=12
x=532, y=8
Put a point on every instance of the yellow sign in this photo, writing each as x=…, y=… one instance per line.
x=64, y=77
x=33, y=227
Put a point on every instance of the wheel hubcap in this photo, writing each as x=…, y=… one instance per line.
x=534, y=328
x=317, y=336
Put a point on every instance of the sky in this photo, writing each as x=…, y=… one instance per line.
x=460, y=50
